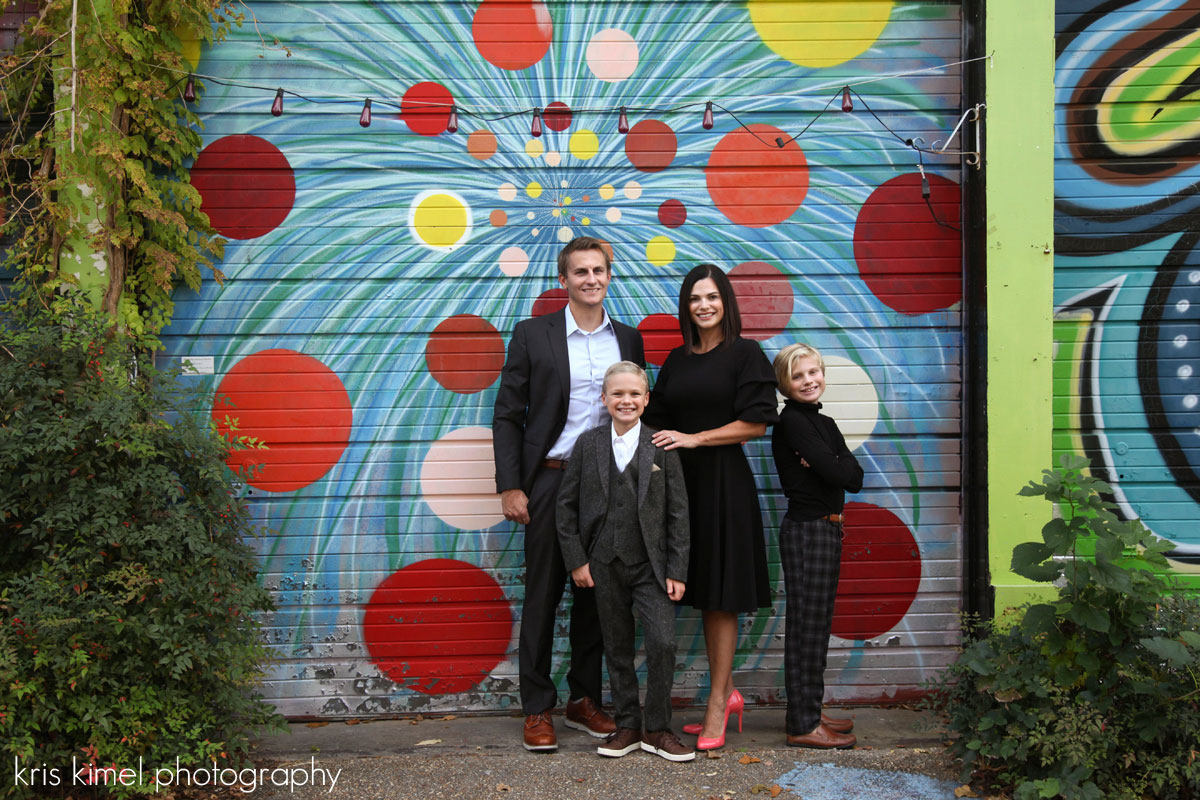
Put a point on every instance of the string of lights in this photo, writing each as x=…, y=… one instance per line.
x=845, y=92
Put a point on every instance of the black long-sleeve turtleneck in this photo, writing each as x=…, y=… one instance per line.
x=803, y=432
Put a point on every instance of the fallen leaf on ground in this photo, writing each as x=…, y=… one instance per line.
x=429, y=741
x=353, y=721
x=449, y=717
x=776, y=790
x=965, y=791
x=711, y=754
x=749, y=760
x=500, y=787
x=414, y=722
x=315, y=724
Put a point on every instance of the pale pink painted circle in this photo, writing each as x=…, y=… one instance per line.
x=612, y=55
x=514, y=261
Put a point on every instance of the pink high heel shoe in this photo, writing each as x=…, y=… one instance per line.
x=735, y=704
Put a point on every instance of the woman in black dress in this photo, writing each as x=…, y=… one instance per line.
x=712, y=394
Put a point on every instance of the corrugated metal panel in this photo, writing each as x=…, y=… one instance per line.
x=378, y=272
x=1127, y=270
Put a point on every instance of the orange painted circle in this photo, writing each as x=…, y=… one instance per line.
x=295, y=405
x=756, y=184
x=465, y=353
x=498, y=218
x=481, y=144
x=425, y=108
x=512, y=34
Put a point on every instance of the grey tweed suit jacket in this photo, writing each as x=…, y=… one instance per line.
x=583, y=502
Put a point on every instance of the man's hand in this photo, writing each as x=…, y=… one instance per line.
x=675, y=589
x=515, y=506
x=583, y=576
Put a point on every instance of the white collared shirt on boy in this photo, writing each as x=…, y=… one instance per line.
x=626, y=445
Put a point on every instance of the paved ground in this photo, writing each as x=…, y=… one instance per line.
x=899, y=756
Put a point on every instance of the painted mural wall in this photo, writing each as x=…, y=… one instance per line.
x=374, y=275
x=1127, y=267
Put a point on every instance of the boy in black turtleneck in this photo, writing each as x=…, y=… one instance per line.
x=816, y=469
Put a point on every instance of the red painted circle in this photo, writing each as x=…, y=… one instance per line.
x=465, y=353
x=650, y=145
x=672, y=213
x=425, y=108
x=660, y=335
x=557, y=116
x=550, y=301
x=881, y=571
x=764, y=297
x=246, y=186
x=295, y=405
x=753, y=182
x=512, y=34
x=908, y=260
x=437, y=626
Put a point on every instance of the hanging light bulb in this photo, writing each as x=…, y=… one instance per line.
x=847, y=103
x=277, y=106
x=535, y=130
x=623, y=122
x=452, y=123
x=707, y=122
x=364, y=118
x=189, y=91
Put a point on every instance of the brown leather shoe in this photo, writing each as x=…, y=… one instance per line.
x=621, y=742
x=667, y=744
x=836, y=724
x=584, y=715
x=539, y=732
x=822, y=738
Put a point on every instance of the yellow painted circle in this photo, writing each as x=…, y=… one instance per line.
x=534, y=189
x=584, y=145
x=440, y=220
x=191, y=47
x=820, y=34
x=534, y=148
x=660, y=251
x=607, y=191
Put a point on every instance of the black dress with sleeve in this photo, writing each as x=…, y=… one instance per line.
x=694, y=392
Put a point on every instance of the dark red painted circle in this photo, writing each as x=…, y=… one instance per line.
x=438, y=626
x=650, y=145
x=764, y=297
x=425, y=108
x=672, y=213
x=247, y=187
x=557, y=116
x=465, y=353
x=512, y=34
x=881, y=572
x=295, y=405
x=550, y=301
x=660, y=335
x=908, y=260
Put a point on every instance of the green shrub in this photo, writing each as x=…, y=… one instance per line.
x=1096, y=694
x=128, y=596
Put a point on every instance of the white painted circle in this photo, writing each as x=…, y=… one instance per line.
x=613, y=214
x=514, y=261
x=507, y=192
x=612, y=55
x=458, y=480
x=851, y=399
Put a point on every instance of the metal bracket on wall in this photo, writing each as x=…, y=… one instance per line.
x=971, y=157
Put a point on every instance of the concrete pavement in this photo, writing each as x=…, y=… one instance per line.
x=899, y=755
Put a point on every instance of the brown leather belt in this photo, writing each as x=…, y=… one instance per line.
x=838, y=518
x=554, y=463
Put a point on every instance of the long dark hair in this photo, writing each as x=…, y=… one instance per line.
x=731, y=319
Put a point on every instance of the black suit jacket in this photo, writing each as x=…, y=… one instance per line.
x=535, y=385
x=583, y=503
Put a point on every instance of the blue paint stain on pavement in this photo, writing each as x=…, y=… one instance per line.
x=831, y=782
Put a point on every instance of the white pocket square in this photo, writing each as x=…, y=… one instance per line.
x=655, y=468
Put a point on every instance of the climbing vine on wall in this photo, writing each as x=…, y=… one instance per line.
x=94, y=138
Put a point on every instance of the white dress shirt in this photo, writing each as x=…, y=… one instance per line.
x=626, y=445
x=590, y=353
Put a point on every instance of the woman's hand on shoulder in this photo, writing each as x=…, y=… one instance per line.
x=672, y=440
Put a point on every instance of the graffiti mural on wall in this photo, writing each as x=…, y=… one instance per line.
x=375, y=273
x=1127, y=273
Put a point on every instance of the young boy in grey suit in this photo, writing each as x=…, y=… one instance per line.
x=623, y=528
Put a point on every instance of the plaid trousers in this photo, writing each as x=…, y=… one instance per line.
x=811, y=553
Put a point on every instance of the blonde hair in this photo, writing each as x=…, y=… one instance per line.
x=786, y=359
x=624, y=367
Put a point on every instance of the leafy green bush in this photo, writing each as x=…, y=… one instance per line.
x=1096, y=694
x=128, y=596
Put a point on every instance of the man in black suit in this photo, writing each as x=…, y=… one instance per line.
x=549, y=394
